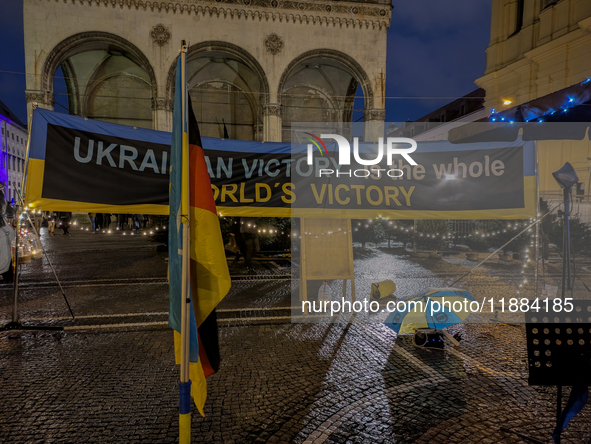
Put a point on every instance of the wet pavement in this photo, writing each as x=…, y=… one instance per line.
x=110, y=376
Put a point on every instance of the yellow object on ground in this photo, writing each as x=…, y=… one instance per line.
x=383, y=289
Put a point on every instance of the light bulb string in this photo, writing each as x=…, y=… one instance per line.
x=537, y=220
x=476, y=234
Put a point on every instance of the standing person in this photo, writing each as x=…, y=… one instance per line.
x=106, y=220
x=50, y=216
x=99, y=221
x=121, y=221
x=65, y=218
x=38, y=221
x=92, y=221
x=250, y=234
x=129, y=219
x=137, y=221
x=235, y=231
x=9, y=213
x=7, y=235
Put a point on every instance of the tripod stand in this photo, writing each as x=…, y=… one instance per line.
x=15, y=324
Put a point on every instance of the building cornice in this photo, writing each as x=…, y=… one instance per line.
x=328, y=13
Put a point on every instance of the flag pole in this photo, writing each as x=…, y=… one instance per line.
x=185, y=381
x=21, y=208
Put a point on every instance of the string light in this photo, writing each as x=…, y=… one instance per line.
x=475, y=234
x=569, y=103
x=527, y=258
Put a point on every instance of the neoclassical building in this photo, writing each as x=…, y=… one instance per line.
x=254, y=66
x=536, y=47
x=13, y=140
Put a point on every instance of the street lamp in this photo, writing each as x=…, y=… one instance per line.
x=566, y=178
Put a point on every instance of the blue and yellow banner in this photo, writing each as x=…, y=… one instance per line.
x=83, y=165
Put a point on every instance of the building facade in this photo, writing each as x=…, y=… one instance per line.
x=536, y=47
x=254, y=66
x=13, y=140
x=538, y=58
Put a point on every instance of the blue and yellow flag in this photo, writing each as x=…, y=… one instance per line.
x=209, y=275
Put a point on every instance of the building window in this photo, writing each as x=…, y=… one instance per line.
x=518, y=17
x=547, y=3
x=12, y=136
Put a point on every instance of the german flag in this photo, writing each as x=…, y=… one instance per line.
x=210, y=277
x=191, y=200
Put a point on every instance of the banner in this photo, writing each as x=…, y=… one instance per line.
x=76, y=164
x=478, y=181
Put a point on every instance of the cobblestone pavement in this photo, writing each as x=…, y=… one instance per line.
x=110, y=377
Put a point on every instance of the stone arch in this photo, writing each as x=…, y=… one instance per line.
x=319, y=86
x=215, y=70
x=74, y=43
x=107, y=78
x=354, y=67
x=222, y=47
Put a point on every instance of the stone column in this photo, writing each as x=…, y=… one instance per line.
x=374, y=124
x=44, y=99
x=272, y=122
x=162, y=114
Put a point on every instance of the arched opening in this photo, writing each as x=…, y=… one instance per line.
x=60, y=92
x=225, y=94
x=322, y=87
x=228, y=89
x=106, y=78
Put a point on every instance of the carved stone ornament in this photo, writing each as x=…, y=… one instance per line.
x=274, y=43
x=272, y=109
x=42, y=97
x=160, y=34
x=372, y=11
x=374, y=115
x=161, y=103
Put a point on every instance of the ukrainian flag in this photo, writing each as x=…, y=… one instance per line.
x=192, y=203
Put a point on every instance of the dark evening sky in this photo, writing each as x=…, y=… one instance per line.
x=435, y=49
